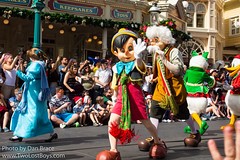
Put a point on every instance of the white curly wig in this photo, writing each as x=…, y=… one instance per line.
x=161, y=32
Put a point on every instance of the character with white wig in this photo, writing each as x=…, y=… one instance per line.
x=232, y=98
x=197, y=83
x=170, y=92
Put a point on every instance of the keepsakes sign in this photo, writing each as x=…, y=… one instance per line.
x=122, y=14
x=17, y=2
x=68, y=6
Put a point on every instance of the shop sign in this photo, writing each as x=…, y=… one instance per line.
x=122, y=14
x=75, y=7
x=18, y=2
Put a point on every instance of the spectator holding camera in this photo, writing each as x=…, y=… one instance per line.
x=63, y=68
x=53, y=74
x=9, y=69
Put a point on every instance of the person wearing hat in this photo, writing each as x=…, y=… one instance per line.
x=79, y=109
x=128, y=95
x=30, y=118
x=214, y=73
x=97, y=65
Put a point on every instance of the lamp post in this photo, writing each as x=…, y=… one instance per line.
x=37, y=5
x=154, y=14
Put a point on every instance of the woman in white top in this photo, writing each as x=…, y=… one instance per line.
x=148, y=81
x=9, y=70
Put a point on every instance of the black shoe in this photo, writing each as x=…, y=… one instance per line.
x=54, y=136
x=16, y=139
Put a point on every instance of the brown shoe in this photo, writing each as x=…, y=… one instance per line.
x=158, y=151
x=193, y=140
x=145, y=145
x=108, y=155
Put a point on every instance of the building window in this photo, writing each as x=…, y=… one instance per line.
x=234, y=30
x=187, y=47
x=201, y=11
x=190, y=14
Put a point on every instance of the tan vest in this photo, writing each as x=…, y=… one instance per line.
x=175, y=82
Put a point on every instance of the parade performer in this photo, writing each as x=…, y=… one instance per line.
x=232, y=98
x=129, y=100
x=169, y=93
x=30, y=118
x=197, y=83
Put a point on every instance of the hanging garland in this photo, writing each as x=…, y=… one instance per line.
x=85, y=21
x=70, y=19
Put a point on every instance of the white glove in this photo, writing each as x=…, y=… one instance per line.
x=152, y=49
x=156, y=49
x=161, y=55
x=139, y=48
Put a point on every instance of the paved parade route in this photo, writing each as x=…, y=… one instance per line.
x=85, y=142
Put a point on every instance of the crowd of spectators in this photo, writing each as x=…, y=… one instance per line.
x=81, y=93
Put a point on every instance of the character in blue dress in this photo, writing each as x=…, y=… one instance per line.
x=30, y=119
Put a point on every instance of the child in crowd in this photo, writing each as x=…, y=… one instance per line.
x=102, y=108
x=212, y=111
x=85, y=96
x=107, y=98
x=79, y=109
x=4, y=114
x=14, y=101
x=93, y=112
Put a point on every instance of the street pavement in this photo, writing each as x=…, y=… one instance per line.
x=85, y=143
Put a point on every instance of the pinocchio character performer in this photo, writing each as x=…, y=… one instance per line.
x=129, y=100
x=232, y=98
x=197, y=83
